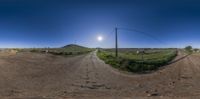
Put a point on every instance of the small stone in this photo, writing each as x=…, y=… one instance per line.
x=153, y=94
x=149, y=95
x=107, y=87
x=65, y=92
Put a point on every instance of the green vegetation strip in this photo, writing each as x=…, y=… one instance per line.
x=133, y=62
x=62, y=51
x=66, y=50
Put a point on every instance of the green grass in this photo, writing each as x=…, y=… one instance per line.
x=132, y=62
x=70, y=51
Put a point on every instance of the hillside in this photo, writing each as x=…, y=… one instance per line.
x=73, y=45
x=75, y=48
x=71, y=49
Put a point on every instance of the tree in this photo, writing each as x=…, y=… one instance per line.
x=188, y=48
x=196, y=49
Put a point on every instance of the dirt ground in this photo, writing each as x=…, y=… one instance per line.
x=44, y=76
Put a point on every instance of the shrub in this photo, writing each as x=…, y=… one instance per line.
x=188, y=49
x=132, y=65
x=34, y=50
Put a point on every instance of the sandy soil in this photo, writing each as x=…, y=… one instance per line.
x=43, y=76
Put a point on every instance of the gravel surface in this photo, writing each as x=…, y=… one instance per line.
x=44, y=76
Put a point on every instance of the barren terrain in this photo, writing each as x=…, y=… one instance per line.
x=28, y=75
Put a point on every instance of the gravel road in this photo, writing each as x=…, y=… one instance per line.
x=44, y=76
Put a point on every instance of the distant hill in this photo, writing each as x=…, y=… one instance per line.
x=73, y=46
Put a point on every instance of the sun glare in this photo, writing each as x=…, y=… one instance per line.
x=99, y=38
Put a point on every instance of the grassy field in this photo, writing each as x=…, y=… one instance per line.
x=132, y=61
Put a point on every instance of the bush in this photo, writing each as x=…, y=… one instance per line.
x=132, y=65
x=188, y=49
x=34, y=50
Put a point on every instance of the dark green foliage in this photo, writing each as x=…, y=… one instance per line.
x=188, y=49
x=34, y=50
x=196, y=49
x=137, y=65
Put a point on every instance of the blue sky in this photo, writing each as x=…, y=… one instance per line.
x=55, y=23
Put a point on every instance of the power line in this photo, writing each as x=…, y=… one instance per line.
x=134, y=30
x=110, y=33
x=144, y=33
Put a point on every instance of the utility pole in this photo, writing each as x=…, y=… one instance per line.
x=143, y=57
x=116, y=43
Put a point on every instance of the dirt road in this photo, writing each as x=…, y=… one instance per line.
x=37, y=76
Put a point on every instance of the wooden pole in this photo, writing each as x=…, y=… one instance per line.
x=116, y=43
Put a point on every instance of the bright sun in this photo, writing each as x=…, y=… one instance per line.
x=99, y=38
